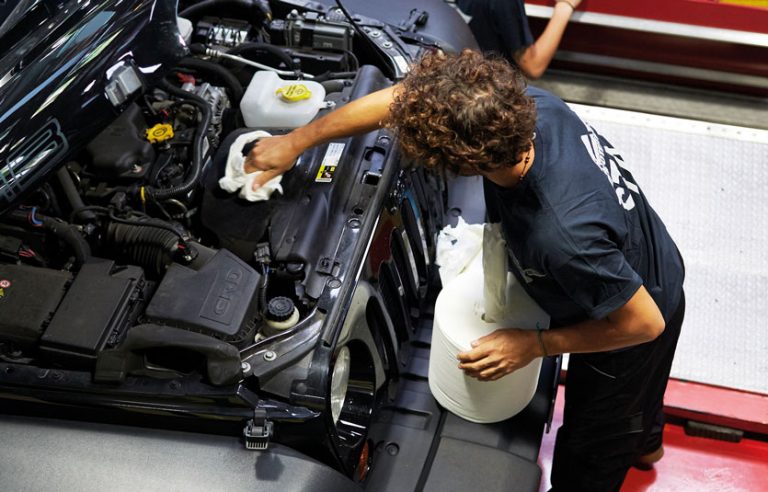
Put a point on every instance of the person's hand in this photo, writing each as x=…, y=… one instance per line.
x=499, y=353
x=273, y=155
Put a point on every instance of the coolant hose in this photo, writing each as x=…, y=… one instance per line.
x=216, y=70
x=69, y=234
x=73, y=197
x=198, y=146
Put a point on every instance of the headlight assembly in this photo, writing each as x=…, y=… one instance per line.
x=339, y=383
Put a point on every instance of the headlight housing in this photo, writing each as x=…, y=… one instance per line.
x=339, y=383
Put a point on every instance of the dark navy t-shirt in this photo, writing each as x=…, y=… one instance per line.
x=500, y=26
x=581, y=236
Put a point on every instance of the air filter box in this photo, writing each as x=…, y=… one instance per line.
x=218, y=299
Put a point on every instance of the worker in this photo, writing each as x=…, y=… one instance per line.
x=501, y=27
x=583, y=240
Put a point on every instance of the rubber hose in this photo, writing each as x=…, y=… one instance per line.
x=264, y=284
x=332, y=86
x=215, y=7
x=198, y=146
x=73, y=197
x=70, y=235
x=246, y=48
x=146, y=246
x=331, y=76
x=216, y=70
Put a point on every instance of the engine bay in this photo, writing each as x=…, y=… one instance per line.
x=134, y=230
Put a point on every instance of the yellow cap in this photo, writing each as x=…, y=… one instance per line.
x=294, y=92
x=160, y=133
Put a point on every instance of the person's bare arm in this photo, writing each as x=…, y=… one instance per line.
x=276, y=155
x=504, y=351
x=534, y=60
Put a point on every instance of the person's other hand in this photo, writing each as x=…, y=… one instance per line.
x=499, y=354
x=273, y=155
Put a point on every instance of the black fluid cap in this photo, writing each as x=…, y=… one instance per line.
x=279, y=308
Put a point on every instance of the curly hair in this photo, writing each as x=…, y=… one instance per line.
x=466, y=113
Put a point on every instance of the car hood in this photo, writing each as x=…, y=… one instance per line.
x=62, y=60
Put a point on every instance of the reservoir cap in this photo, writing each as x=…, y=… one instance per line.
x=279, y=308
x=294, y=92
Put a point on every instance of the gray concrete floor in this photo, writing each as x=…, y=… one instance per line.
x=682, y=102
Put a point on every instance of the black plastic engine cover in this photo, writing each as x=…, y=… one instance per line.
x=219, y=299
x=120, y=146
x=101, y=304
x=28, y=298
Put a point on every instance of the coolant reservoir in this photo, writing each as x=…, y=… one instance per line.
x=281, y=315
x=271, y=102
x=458, y=321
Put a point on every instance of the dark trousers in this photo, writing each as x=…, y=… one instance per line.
x=613, y=411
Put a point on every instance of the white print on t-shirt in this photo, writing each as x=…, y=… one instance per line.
x=610, y=163
x=526, y=273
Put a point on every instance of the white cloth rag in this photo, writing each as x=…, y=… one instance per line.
x=235, y=178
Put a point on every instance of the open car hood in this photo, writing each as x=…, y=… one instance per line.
x=101, y=51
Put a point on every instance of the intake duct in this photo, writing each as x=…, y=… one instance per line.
x=145, y=245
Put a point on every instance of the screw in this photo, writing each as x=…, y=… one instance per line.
x=392, y=449
x=246, y=367
x=269, y=356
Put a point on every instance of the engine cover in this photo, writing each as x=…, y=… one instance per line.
x=28, y=298
x=219, y=299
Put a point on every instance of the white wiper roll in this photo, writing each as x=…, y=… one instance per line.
x=458, y=321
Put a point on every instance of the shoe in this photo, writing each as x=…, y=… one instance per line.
x=646, y=461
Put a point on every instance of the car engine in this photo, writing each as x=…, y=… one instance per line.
x=130, y=281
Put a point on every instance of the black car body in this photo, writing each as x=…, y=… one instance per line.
x=135, y=294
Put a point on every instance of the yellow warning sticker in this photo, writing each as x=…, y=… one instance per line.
x=330, y=162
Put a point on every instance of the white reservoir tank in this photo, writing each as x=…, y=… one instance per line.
x=271, y=102
x=458, y=321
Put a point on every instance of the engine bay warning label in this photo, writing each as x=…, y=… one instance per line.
x=330, y=162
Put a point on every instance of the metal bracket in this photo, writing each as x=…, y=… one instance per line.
x=326, y=265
